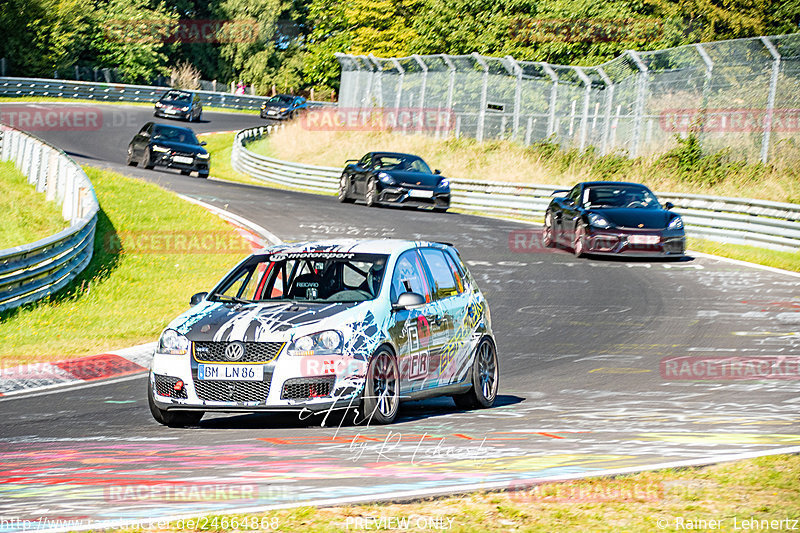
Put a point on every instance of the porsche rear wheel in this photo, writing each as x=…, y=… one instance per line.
x=579, y=243
x=547, y=232
x=371, y=197
x=344, y=189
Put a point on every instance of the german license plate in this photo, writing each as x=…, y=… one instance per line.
x=182, y=159
x=643, y=239
x=420, y=194
x=230, y=372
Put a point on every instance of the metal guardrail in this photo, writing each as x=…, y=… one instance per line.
x=120, y=92
x=32, y=271
x=752, y=222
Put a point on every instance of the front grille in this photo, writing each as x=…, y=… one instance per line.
x=165, y=386
x=254, y=352
x=305, y=388
x=233, y=391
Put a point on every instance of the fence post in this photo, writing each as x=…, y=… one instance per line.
x=424, y=68
x=773, y=88
x=378, y=78
x=517, y=71
x=586, y=97
x=551, y=114
x=451, y=82
x=366, y=99
x=484, y=92
x=609, y=92
x=706, y=87
x=642, y=81
x=402, y=72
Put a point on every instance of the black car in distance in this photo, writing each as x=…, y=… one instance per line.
x=175, y=103
x=610, y=218
x=168, y=146
x=381, y=178
x=283, y=107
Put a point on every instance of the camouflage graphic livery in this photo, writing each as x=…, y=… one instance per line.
x=320, y=326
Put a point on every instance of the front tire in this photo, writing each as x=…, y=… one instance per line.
x=147, y=159
x=381, y=397
x=485, y=374
x=344, y=189
x=547, y=231
x=579, y=241
x=371, y=196
x=173, y=419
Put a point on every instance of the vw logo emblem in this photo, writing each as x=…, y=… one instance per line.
x=234, y=351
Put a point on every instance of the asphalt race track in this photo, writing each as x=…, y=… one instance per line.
x=583, y=389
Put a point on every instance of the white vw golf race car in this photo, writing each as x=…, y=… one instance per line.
x=322, y=326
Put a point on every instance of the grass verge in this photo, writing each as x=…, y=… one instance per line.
x=27, y=216
x=137, y=281
x=683, y=168
x=733, y=495
x=751, y=254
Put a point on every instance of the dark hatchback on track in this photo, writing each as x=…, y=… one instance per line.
x=168, y=146
x=179, y=104
x=283, y=107
x=604, y=217
x=393, y=178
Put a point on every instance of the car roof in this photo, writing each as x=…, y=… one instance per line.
x=393, y=154
x=612, y=183
x=363, y=246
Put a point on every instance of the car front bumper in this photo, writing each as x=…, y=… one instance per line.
x=274, y=113
x=163, y=159
x=288, y=384
x=643, y=243
x=169, y=113
x=407, y=196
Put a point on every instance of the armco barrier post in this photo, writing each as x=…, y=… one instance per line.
x=43, y=157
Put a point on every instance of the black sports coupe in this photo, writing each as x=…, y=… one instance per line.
x=168, y=146
x=605, y=217
x=394, y=178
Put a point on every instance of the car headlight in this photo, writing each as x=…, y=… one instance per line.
x=598, y=221
x=676, y=223
x=202, y=156
x=323, y=343
x=445, y=183
x=386, y=178
x=184, y=109
x=157, y=148
x=173, y=343
x=159, y=104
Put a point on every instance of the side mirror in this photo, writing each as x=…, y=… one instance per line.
x=197, y=298
x=408, y=300
x=668, y=206
x=202, y=143
x=437, y=171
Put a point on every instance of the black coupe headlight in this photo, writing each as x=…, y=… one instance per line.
x=599, y=221
x=676, y=223
x=444, y=184
x=386, y=178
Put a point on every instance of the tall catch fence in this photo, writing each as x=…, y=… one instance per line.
x=742, y=95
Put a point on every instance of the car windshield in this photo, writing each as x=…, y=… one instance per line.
x=304, y=276
x=408, y=163
x=178, y=96
x=172, y=134
x=620, y=196
x=280, y=99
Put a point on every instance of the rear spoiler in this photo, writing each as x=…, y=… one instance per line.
x=559, y=191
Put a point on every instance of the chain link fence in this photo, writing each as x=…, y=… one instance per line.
x=742, y=95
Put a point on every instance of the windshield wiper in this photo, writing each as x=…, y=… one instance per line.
x=226, y=298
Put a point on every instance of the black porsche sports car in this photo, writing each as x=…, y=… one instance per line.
x=394, y=178
x=168, y=146
x=605, y=217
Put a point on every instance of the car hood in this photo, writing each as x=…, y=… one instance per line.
x=636, y=217
x=277, y=104
x=180, y=147
x=281, y=321
x=417, y=180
